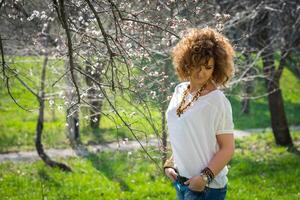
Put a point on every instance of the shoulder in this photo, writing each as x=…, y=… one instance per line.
x=181, y=86
x=221, y=99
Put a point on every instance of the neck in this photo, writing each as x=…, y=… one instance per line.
x=195, y=87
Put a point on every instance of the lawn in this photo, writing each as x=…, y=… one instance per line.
x=259, y=170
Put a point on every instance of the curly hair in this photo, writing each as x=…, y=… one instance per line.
x=197, y=47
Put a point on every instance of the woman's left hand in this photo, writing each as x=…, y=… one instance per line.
x=196, y=183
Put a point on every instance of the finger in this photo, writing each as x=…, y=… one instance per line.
x=174, y=177
x=174, y=173
x=187, y=182
x=196, y=188
x=171, y=177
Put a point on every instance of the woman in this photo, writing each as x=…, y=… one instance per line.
x=199, y=116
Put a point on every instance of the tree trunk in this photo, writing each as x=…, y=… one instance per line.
x=39, y=127
x=40, y=121
x=94, y=96
x=276, y=106
x=164, y=131
x=247, y=86
x=263, y=39
x=72, y=112
x=72, y=117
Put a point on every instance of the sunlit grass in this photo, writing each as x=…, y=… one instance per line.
x=258, y=170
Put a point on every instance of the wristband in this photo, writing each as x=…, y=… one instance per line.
x=210, y=175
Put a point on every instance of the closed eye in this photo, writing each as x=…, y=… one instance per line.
x=209, y=67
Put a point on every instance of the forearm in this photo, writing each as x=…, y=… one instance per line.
x=220, y=160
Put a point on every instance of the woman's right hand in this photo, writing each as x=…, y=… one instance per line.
x=171, y=173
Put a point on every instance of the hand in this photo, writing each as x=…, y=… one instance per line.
x=196, y=183
x=170, y=172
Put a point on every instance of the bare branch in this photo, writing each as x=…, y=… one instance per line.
x=70, y=49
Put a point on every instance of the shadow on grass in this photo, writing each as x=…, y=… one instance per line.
x=42, y=173
x=109, y=165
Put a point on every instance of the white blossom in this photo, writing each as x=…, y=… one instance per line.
x=34, y=14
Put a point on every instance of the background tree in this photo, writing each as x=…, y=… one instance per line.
x=270, y=29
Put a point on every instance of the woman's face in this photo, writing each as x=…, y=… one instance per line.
x=202, y=73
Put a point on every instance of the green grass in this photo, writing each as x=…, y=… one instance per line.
x=117, y=175
x=262, y=170
x=259, y=170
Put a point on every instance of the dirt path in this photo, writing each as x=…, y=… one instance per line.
x=56, y=153
x=114, y=146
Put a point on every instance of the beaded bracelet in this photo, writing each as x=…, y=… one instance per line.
x=210, y=175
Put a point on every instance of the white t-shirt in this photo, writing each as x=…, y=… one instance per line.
x=193, y=134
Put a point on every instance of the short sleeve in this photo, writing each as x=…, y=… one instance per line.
x=225, y=120
x=172, y=99
x=176, y=96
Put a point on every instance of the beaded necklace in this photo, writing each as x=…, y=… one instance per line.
x=182, y=108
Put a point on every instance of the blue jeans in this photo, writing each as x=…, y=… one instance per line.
x=184, y=193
